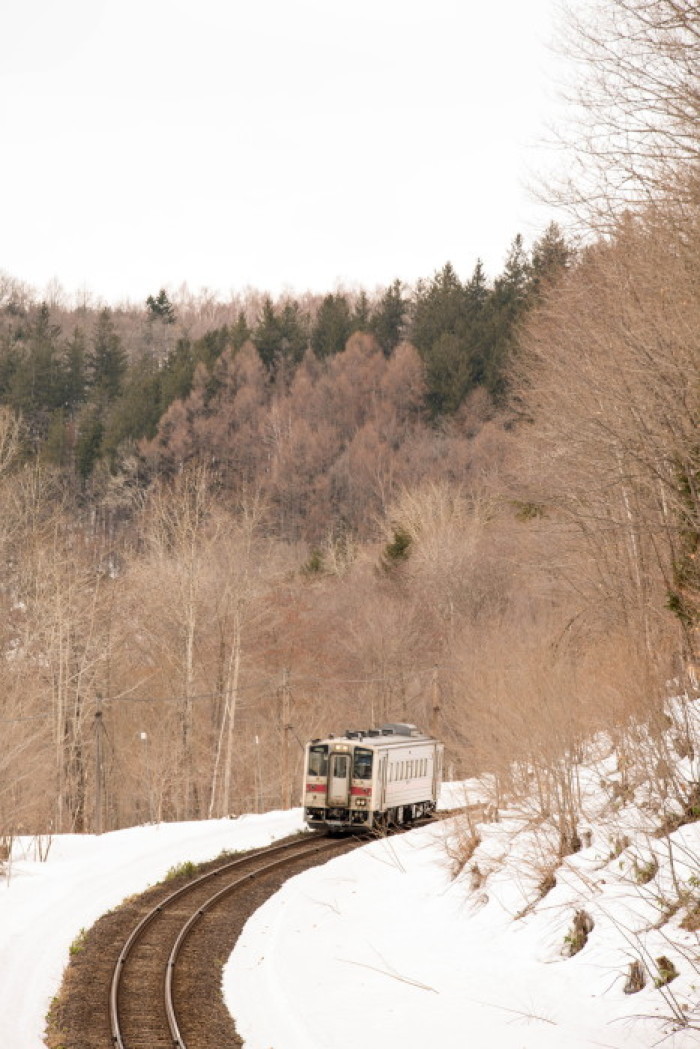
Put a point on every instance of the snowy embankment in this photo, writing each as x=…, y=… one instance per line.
x=44, y=905
x=383, y=946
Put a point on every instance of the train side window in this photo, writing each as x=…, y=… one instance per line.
x=318, y=760
x=362, y=764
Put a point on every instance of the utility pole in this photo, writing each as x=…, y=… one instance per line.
x=287, y=727
x=99, y=765
x=435, y=703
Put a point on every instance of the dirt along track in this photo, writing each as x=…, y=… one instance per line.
x=80, y=1018
x=97, y=1009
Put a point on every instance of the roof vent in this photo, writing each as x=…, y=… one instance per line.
x=400, y=729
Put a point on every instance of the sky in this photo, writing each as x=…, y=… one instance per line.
x=278, y=144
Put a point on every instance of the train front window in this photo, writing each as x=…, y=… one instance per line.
x=318, y=760
x=362, y=765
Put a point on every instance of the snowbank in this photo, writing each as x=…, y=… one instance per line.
x=44, y=905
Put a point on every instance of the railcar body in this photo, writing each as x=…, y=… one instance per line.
x=371, y=779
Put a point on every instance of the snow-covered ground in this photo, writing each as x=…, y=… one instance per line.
x=383, y=947
x=44, y=905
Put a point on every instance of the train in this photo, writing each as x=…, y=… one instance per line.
x=371, y=780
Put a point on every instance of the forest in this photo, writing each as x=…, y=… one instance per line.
x=472, y=504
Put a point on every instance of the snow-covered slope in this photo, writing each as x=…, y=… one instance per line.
x=382, y=947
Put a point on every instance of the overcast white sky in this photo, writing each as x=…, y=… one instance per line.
x=272, y=143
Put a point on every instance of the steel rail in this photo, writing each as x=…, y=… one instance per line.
x=177, y=1039
x=299, y=848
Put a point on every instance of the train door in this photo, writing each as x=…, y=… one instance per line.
x=381, y=783
x=339, y=779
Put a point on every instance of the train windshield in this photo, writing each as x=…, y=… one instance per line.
x=318, y=760
x=362, y=765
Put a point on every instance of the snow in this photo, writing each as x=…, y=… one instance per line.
x=44, y=905
x=384, y=945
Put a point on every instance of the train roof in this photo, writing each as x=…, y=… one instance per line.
x=395, y=732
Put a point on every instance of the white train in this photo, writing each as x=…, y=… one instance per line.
x=362, y=780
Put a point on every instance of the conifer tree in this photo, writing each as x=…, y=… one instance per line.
x=241, y=331
x=333, y=326
x=389, y=318
x=37, y=387
x=161, y=308
x=361, y=314
x=294, y=330
x=268, y=334
x=74, y=356
x=551, y=256
x=106, y=361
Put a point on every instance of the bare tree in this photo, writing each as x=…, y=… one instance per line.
x=611, y=377
x=632, y=119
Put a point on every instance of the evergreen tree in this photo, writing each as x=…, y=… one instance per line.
x=333, y=326
x=389, y=318
x=210, y=346
x=510, y=300
x=514, y=282
x=361, y=314
x=551, y=256
x=438, y=308
x=106, y=361
x=136, y=412
x=439, y=324
x=175, y=377
x=449, y=372
x=477, y=334
x=268, y=334
x=241, y=331
x=294, y=331
x=161, y=308
x=37, y=387
x=74, y=357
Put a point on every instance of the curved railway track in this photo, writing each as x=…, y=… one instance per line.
x=145, y=987
x=150, y=974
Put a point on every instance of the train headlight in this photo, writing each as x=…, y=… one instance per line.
x=361, y=803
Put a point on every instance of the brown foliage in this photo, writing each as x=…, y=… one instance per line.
x=329, y=449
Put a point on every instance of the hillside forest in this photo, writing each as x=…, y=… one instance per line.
x=472, y=504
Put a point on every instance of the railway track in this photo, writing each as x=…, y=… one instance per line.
x=146, y=984
x=150, y=975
